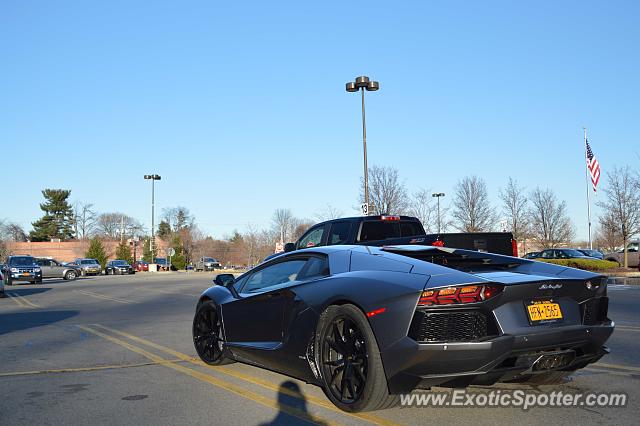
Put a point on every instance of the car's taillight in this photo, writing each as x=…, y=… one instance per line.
x=438, y=243
x=458, y=295
x=389, y=217
x=514, y=247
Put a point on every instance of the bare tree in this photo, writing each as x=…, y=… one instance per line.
x=550, y=225
x=424, y=208
x=386, y=193
x=472, y=211
x=84, y=220
x=608, y=235
x=329, y=213
x=115, y=225
x=515, y=208
x=622, y=203
x=11, y=231
x=177, y=218
x=283, y=222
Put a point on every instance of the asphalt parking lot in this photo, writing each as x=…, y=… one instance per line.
x=118, y=350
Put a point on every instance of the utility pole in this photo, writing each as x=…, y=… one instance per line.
x=438, y=195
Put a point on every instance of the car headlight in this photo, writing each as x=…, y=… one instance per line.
x=37, y=270
x=14, y=269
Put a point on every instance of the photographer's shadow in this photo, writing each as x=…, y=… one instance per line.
x=292, y=406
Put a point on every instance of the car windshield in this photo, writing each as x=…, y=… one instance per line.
x=22, y=261
x=88, y=262
x=209, y=259
x=573, y=253
x=120, y=263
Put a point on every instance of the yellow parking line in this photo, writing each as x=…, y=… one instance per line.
x=251, y=379
x=95, y=368
x=615, y=373
x=16, y=300
x=102, y=296
x=24, y=300
x=228, y=386
x=627, y=328
x=617, y=366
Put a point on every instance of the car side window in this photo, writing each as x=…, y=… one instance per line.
x=280, y=273
x=547, y=254
x=339, y=233
x=313, y=238
x=315, y=267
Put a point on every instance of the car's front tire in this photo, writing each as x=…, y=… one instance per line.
x=70, y=275
x=8, y=281
x=348, y=357
x=208, y=335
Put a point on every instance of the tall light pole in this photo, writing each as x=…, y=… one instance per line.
x=153, y=179
x=438, y=195
x=363, y=83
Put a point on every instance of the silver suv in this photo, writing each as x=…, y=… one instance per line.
x=88, y=266
x=51, y=268
x=632, y=255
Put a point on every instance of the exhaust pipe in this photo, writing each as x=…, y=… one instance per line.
x=553, y=361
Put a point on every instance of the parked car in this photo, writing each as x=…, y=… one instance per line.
x=562, y=253
x=592, y=253
x=21, y=268
x=51, y=268
x=207, y=264
x=118, y=267
x=88, y=266
x=632, y=255
x=367, y=323
x=163, y=264
x=141, y=266
x=532, y=255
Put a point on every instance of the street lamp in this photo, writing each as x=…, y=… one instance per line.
x=363, y=83
x=438, y=195
x=153, y=179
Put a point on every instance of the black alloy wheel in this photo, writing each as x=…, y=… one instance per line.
x=208, y=336
x=344, y=358
x=348, y=357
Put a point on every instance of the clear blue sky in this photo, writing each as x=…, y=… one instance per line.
x=241, y=106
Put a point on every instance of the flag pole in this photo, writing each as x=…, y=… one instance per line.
x=586, y=175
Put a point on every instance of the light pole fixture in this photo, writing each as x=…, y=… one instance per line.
x=438, y=195
x=153, y=179
x=361, y=84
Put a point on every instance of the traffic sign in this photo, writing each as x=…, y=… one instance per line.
x=364, y=207
x=171, y=251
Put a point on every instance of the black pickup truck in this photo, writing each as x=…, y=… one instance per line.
x=386, y=230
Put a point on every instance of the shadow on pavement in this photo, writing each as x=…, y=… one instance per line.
x=291, y=399
x=26, y=291
x=25, y=320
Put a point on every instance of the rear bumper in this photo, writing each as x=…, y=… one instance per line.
x=410, y=365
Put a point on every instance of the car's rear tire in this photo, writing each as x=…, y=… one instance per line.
x=70, y=275
x=348, y=357
x=208, y=335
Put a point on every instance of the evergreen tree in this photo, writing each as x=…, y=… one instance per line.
x=96, y=251
x=57, y=221
x=164, y=230
x=123, y=251
x=147, y=256
x=178, y=260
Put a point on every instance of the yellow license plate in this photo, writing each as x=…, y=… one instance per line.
x=25, y=274
x=541, y=311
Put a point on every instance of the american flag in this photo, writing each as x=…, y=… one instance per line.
x=593, y=166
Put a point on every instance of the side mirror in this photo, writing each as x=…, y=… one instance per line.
x=224, y=280
x=289, y=247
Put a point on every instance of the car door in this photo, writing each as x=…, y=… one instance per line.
x=56, y=269
x=255, y=319
x=45, y=265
